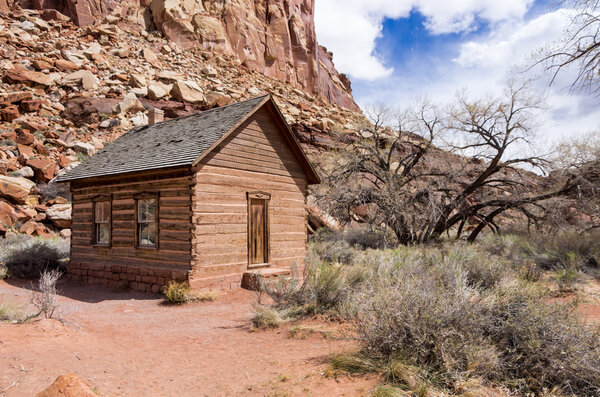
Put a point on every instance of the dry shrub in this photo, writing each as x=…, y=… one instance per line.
x=44, y=296
x=180, y=293
x=332, y=251
x=425, y=310
x=28, y=257
x=323, y=288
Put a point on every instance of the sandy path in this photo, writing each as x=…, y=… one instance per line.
x=129, y=344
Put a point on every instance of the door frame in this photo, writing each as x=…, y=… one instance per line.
x=259, y=195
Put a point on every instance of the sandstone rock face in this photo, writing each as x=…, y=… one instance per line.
x=274, y=37
x=16, y=189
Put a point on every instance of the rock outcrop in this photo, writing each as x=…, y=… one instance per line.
x=274, y=37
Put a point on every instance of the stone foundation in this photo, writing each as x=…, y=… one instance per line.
x=140, y=278
x=222, y=282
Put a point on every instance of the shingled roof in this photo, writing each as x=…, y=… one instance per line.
x=172, y=143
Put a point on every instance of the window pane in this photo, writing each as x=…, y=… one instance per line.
x=102, y=211
x=146, y=210
x=102, y=233
x=148, y=234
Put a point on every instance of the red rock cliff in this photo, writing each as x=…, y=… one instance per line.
x=274, y=37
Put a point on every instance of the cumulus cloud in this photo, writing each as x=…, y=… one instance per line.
x=483, y=66
x=350, y=28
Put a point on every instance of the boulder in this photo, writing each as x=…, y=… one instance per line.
x=15, y=188
x=137, y=80
x=25, y=151
x=32, y=105
x=86, y=148
x=43, y=168
x=8, y=214
x=84, y=78
x=16, y=96
x=157, y=90
x=10, y=113
x=60, y=215
x=83, y=110
x=34, y=228
x=65, y=65
x=188, y=91
x=29, y=77
x=169, y=76
x=209, y=71
x=65, y=233
x=149, y=56
x=216, y=99
x=25, y=172
x=54, y=15
x=129, y=103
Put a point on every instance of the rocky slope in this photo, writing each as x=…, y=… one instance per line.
x=67, y=90
x=274, y=37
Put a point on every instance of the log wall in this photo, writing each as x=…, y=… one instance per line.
x=122, y=262
x=255, y=157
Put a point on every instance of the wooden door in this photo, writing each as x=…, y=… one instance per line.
x=258, y=231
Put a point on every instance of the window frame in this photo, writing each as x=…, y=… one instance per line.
x=146, y=196
x=95, y=201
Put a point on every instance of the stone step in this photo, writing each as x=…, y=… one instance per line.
x=251, y=278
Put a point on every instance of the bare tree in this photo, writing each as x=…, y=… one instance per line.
x=398, y=178
x=580, y=47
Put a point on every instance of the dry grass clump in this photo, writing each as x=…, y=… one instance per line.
x=28, y=257
x=180, y=293
x=11, y=312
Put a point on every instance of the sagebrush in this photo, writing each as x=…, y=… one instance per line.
x=28, y=257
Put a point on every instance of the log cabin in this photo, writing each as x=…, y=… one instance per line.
x=213, y=199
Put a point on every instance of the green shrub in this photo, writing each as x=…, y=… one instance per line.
x=28, y=257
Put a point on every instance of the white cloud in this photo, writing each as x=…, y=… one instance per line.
x=350, y=28
x=484, y=65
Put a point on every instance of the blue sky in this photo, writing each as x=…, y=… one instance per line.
x=397, y=50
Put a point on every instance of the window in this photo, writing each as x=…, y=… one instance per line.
x=102, y=222
x=146, y=222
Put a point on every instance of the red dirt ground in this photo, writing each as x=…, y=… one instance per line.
x=130, y=344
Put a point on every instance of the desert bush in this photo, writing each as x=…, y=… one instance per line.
x=424, y=310
x=323, y=288
x=53, y=190
x=3, y=271
x=12, y=312
x=332, y=251
x=28, y=257
x=44, y=296
x=267, y=317
x=179, y=293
